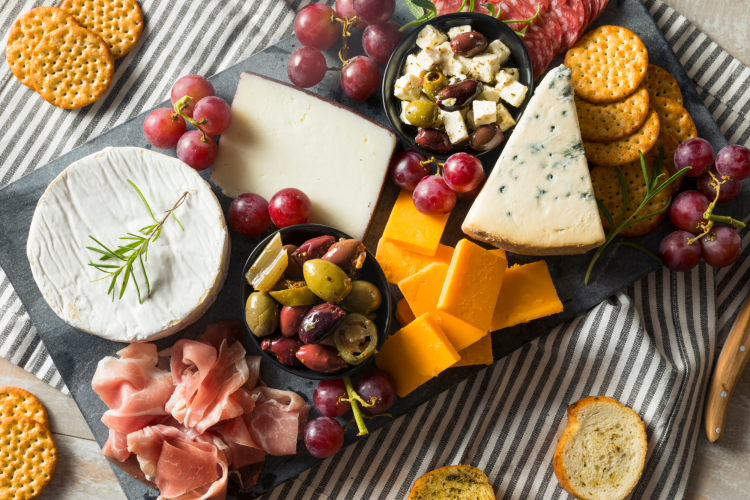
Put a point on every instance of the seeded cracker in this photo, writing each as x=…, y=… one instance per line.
x=16, y=402
x=118, y=22
x=29, y=457
x=625, y=150
x=662, y=84
x=25, y=35
x=608, y=64
x=613, y=121
x=674, y=118
x=72, y=67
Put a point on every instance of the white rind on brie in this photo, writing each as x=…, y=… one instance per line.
x=186, y=269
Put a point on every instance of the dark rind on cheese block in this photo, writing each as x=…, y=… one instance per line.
x=524, y=249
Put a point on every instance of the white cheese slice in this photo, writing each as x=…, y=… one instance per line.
x=539, y=200
x=282, y=137
x=186, y=269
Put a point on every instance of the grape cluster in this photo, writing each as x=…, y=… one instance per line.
x=251, y=215
x=462, y=178
x=194, y=101
x=719, y=181
x=318, y=27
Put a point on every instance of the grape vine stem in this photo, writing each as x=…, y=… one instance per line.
x=179, y=109
x=709, y=213
x=355, y=400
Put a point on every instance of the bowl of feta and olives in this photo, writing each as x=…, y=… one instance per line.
x=315, y=301
x=457, y=83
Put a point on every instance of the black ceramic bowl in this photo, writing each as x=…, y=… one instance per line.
x=371, y=271
x=490, y=27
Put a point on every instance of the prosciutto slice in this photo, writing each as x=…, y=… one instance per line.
x=277, y=419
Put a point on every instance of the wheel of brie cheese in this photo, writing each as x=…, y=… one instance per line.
x=92, y=197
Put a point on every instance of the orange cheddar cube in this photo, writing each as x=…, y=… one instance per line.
x=404, y=314
x=410, y=229
x=478, y=353
x=473, y=284
x=416, y=353
x=422, y=291
x=527, y=294
x=399, y=263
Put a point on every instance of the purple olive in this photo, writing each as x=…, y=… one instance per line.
x=349, y=255
x=319, y=322
x=293, y=271
x=486, y=137
x=285, y=349
x=469, y=44
x=291, y=318
x=321, y=358
x=312, y=249
x=434, y=140
x=462, y=95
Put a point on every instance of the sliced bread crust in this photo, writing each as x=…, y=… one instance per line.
x=454, y=482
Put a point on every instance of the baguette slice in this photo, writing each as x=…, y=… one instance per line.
x=602, y=451
x=454, y=482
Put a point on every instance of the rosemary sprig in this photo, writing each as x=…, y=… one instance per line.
x=137, y=250
x=653, y=188
x=425, y=10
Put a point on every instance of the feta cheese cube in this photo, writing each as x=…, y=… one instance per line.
x=499, y=49
x=504, y=120
x=455, y=126
x=470, y=120
x=490, y=94
x=457, y=30
x=445, y=51
x=513, y=72
x=408, y=87
x=485, y=112
x=430, y=37
x=484, y=67
x=502, y=79
x=429, y=58
x=456, y=79
x=402, y=116
x=411, y=66
x=457, y=65
x=513, y=93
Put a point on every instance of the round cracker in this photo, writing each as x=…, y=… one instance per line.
x=72, y=67
x=28, y=457
x=608, y=63
x=661, y=84
x=674, y=118
x=613, y=121
x=25, y=35
x=118, y=22
x=16, y=402
x=607, y=189
x=625, y=150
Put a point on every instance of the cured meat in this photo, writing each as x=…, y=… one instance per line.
x=588, y=6
x=569, y=23
x=519, y=9
x=276, y=420
x=116, y=446
x=553, y=30
x=580, y=11
x=451, y=6
x=601, y=5
x=539, y=47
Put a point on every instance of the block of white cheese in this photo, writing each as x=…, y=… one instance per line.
x=538, y=200
x=282, y=136
x=186, y=269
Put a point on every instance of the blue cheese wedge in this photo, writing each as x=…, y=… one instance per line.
x=539, y=200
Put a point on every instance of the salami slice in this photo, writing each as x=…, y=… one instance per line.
x=589, y=6
x=552, y=28
x=602, y=5
x=569, y=23
x=517, y=9
x=447, y=6
x=577, y=7
x=539, y=47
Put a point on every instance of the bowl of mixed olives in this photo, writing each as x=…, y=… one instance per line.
x=457, y=83
x=315, y=301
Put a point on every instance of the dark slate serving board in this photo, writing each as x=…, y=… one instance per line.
x=76, y=354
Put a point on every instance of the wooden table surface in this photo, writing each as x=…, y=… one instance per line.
x=719, y=470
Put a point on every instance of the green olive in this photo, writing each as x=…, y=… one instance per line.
x=301, y=296
x=326, y=280
x=422, y=114
x=262, y=314
x=433, y=82
x=364, y=298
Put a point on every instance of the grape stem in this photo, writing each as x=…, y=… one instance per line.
x=346, y=31
x=436, y=162
x=355, y=401
x=179, y=108
x=709, y=213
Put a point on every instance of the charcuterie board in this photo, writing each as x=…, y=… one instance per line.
x=76, y=353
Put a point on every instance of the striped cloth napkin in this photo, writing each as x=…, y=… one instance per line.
x=651, y=346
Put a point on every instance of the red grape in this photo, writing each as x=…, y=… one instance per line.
x=163, y=128
x=216, y=112
x=734, y=161
x=380, y=40
x=344, y=9
x=433, y=196
x=721, y=246
x=192, y=150
x=379, y=384
x=316, y=26
x=248, y=215
x=306, y=67
x=677, y=254
x=195, y=86
x=687, y=209
x=323, y=436
x=406, y=170
x=360, y=78
x=729, y=189
x=696, y=153
x=463, y=172
x=290, y=206
x=326, y=398
x=473, y=193
x=374, y=11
